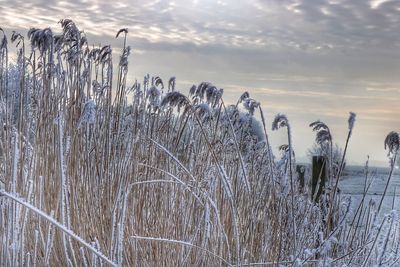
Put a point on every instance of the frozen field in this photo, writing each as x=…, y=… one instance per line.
x=353, y=180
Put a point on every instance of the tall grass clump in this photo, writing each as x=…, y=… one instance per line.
x=98, y=172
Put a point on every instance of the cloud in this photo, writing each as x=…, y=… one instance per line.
x=377, y=3
x=384, y=90
x=317, y=58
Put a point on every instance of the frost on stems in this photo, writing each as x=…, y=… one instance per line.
x=124, y=58
x=98, y=89
x=172, y=197
x=204, y=111
x=88, y=114
x=392, y=144
x=184, y=243
x=57, y=224
x=280, y=121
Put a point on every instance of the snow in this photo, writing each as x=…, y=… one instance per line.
x=352, y=184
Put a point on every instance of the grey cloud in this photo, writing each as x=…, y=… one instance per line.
x=335, y=55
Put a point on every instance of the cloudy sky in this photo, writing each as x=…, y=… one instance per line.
x=311, y=59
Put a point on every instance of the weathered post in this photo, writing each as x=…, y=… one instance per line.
x=318, y=178
x=301, y=170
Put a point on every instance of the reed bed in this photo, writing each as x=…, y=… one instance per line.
x=96, y=172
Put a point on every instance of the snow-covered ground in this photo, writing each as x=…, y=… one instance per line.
x=353, y=180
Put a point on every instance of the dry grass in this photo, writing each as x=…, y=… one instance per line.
x=162, y=180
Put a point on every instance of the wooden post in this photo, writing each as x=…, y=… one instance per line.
x=301, y=171
x=319, y=176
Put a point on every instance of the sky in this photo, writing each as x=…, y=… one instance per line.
x=310, y=60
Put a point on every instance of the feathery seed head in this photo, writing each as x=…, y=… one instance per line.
x=71, y=35
x=4, y=42
x=16, y=37
x=250, y=105
x=323, y=136
x=214, y=95
x=352, y=119
x=154, y=96
x=284, y=148
x=105, y=54
x=176, y=99
x=94, y=53
x=279, y=121
x=41, y=39
x=318, y=125
x=69, y=27
x=208, y=91
x=323, y=132
x=83, y=41
x=192, y=90
x=392, y=143
x=124, y=30
x=171, y=84
x=158, y=81
x=244, y=96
